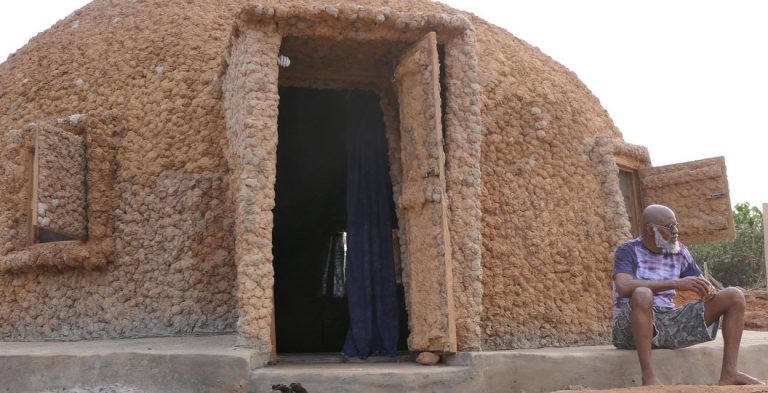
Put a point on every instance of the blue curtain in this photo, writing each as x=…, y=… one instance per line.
x=371, y=291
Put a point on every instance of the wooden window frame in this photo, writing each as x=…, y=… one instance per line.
x=103, y=134
x=635, y=194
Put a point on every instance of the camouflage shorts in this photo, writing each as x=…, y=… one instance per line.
x=672, y=327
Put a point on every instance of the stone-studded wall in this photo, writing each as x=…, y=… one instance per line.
x=463, y=125
x=60, y=193
x=170, y=216
x=548, y=234
x=250, y=101
x=16, y=163
x=545, y=237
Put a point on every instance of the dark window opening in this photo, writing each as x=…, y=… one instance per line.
x=311, y=311
x=46, y=236
x=630, y=190
x=443, y=94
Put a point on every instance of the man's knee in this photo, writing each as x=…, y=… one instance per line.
x=642, y=298
x=733, y=296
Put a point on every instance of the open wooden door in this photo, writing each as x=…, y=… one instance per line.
x=698, y=193
x=428, y=271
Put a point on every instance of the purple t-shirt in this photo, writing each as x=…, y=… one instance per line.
x=633, y=258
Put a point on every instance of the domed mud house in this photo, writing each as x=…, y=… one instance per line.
x=357, y=177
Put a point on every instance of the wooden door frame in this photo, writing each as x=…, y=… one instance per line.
x=463, y=129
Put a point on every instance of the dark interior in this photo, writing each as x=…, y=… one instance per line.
x=310, y=207
x=46, y=236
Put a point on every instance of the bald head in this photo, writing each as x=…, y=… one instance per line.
x=660, y=229
x=657, y=214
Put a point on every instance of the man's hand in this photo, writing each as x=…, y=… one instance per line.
x=699, y=284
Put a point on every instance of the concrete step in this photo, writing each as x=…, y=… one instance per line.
x=215, y=364
x=604, y=367
x=309, y=358
x=365, y=377
x=167, y=364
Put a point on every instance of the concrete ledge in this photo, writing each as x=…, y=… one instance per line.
x=603, y=367
x=169, y=364
x=215, y=364
x=366, y=377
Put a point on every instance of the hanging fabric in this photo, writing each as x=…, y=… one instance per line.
x=334, y=282
x=371, y=290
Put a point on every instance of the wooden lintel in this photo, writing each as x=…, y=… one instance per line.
x=368, y=78
x=628, y=163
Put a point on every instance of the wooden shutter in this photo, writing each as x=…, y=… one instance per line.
x=698, y=193
x=423, y=204
x=59, y=191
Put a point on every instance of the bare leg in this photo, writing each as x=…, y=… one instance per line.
x=730, y=304
x=642, y=330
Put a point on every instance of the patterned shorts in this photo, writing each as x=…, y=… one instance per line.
x=672, y=327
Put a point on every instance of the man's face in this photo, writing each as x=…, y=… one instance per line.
x=665, y=237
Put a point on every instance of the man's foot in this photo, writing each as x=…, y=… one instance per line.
x=739, y=378
x=651, y=380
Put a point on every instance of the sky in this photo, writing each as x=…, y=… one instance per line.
x=687, y=79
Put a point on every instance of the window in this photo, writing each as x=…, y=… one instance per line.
x=697, y=191
x=630, y=190
x=58, y=203
x=50, y=215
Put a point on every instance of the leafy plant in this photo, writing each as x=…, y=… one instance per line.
x=740, y=261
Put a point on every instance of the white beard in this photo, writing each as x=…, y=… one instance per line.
x=672, y=247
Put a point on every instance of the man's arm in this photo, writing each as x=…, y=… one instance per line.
x=626, y=284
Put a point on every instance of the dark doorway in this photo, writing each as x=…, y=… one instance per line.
x=311, y=308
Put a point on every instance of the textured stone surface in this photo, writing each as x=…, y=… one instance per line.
x=163, y=202
x=547, y=233
x=428, y=358
x=462, y=133
x=250, y=100
x=16, y=156
x=61, y=203
x=428, y=274
x=182, y=211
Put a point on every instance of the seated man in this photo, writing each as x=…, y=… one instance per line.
x=646, y=272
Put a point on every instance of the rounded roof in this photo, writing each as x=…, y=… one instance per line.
x=102, y=54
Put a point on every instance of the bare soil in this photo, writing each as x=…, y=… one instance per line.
x=757, y=308
x=682, y=389
x=757, y=311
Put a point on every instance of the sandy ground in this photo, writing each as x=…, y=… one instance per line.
x=757, y=311
x=99, y=389
x=683, y=389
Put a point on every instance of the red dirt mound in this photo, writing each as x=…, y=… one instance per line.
x=756, y=317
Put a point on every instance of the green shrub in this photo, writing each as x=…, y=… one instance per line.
x=737, y=262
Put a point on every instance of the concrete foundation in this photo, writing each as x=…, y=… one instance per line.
x=169, y=364
x=215, y=364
